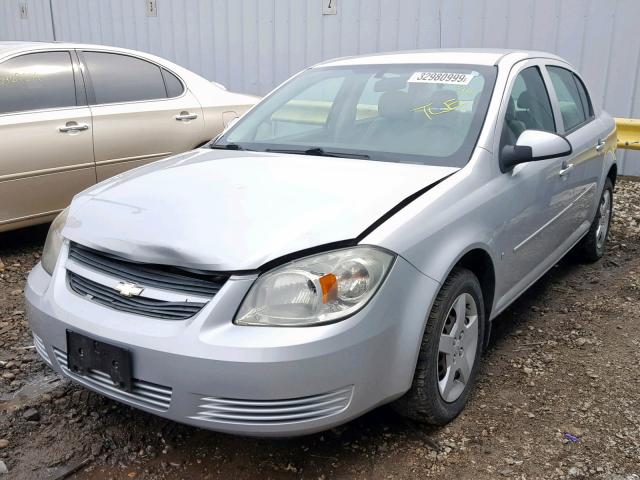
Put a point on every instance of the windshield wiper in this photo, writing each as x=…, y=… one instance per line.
x=226, y=146
x=319, y=152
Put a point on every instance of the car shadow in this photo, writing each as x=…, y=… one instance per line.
x=24, y=239
x=518, y=314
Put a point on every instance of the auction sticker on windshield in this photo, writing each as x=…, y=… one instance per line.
x=447, y=78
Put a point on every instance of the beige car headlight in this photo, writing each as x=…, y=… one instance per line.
x=53, y=244
x=319, y=289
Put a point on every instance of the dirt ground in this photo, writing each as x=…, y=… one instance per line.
x=558, y=397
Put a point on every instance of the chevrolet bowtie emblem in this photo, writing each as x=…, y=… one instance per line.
x=128, y=289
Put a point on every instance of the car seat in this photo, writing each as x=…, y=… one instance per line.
x=395, y=125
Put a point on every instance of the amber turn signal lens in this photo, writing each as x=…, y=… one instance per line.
x=329, y=284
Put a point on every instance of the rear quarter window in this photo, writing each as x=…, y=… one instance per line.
x=172, y=83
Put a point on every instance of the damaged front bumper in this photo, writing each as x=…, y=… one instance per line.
x=263, y=381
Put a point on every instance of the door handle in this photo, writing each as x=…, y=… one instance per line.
x=566, y=168
x=75, y=127
x=600, y=145
x=185, y=116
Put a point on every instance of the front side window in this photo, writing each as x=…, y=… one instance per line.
x=121, y=78
x=570, y=101
x=528, y=108
x=422, y=113
x=37, y=81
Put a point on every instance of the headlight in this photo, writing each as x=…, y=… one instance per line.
x=54, y=242
x=319, y=289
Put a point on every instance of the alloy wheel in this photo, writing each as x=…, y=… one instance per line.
x=603, y=221
x=458, y=346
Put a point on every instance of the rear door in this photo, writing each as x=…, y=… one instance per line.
x=46, y=150
x=578, y=123
x=141, y=111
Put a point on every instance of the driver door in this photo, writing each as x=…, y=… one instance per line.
x=539, y=191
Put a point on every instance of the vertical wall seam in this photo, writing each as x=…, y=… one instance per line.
x=53, y=23
x=635, y=83
x=273, y=45
x=440, y=22
x=608, y=70
x=584, y=35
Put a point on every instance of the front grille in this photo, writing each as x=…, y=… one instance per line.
x=164, y=277
x=149, y=307
x=144, y=394
x=273, y=412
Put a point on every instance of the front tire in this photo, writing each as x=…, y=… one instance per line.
x=450, y=353
x=592, y=246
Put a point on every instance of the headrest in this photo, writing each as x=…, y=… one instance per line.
x=439, y=97
x=390, y=83
x=421, y=92
x=526, y=100
x=394, y=105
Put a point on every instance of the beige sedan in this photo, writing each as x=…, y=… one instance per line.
x=72, y=115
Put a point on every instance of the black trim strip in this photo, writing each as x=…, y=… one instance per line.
x=399, y=207
x=305, y=253
x=86, y=75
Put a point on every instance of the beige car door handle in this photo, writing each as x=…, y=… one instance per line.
x=69, y=127
x=566, y=168
x=185, y=116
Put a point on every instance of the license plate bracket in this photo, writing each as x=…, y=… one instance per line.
x=85, y=354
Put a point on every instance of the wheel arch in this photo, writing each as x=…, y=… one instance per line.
x=612, y=174
x=478, y=260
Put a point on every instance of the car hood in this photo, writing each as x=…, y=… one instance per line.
x=229, y=211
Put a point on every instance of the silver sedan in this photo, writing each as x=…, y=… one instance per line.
x=346, y=244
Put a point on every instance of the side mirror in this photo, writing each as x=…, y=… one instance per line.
x=531, y=146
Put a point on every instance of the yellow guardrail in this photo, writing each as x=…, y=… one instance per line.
x=628, y=133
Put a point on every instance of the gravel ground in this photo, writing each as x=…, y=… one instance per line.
x=558, y=397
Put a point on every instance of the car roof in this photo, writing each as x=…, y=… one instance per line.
x=10, y=47
x=469, y=56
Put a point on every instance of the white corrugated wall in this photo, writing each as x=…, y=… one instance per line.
x=252, y=45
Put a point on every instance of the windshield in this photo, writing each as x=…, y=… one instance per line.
x=429, y=114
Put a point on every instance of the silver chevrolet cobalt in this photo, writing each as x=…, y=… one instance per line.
x=346, y=244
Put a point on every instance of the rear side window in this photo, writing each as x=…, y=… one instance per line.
x=571, y=102
x=37, y=81
x=584, y=96
x=172, y=84
x=121, y=78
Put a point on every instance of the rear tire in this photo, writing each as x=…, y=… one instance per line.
x=592, y=246
x=450, y=353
